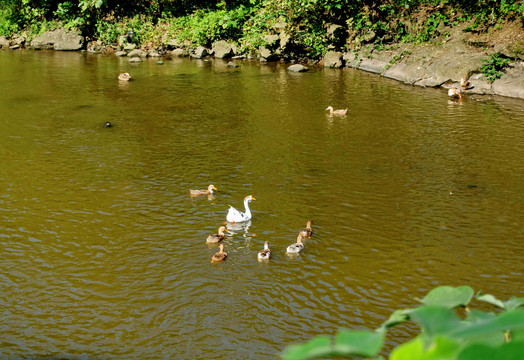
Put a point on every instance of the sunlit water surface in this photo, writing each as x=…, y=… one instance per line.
x=103, y=252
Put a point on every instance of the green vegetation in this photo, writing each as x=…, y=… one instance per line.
x=449, y=330
x=245, y=22
x=494, y=67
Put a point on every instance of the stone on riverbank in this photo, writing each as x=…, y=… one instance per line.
x=199, y=53
x=58, y=39
x=179, y=53
x=137, y=53
x=512, y=82
x=297, y=68
x=222, y=49
x=333, y=59
x=4, y=43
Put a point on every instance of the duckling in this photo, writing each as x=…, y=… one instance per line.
x=221, y=255
x=266, y=253
x=341, y=112
x=124, y=77
x=108, y=124
x=209, y=191
x=297, y=247
x=307, y=231
x=464, y=82
x=217, y=237
x=455, y=93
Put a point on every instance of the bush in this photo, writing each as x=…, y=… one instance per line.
x=494, y=67
x=449, y=330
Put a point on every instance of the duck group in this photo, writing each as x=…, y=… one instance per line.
x=236, y=216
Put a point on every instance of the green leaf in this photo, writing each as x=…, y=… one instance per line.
x=476, y=315
x=435, y=320
x=359, y=343
x=441, y=349
x=514, y=303
x=316, y=347
x=509, y=320
x=398, y=317
x=507, y=351
x=490, y=299
x=448, y=296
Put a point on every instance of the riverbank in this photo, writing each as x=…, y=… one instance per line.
x=492, y=62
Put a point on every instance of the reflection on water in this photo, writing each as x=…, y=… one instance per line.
x=103, y=250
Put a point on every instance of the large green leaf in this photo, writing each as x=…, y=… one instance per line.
x=435, y=320
x=477, y=315
x=514, y=303
x=507, y=351
x=448, y=296
x=509, y=320
x=316, y=347
x=441, y=349
x=359, y=343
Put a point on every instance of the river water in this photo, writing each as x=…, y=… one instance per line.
x=103, y=252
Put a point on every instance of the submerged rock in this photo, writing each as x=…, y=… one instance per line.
x=297, y=68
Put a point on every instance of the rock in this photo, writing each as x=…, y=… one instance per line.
x=172, y=44
x=431, y=81
x=407, y=73
x=373, y=65
x=351, y=59
x=279, y=26
x=512, y=82
x=14, y=47
x=232, y=64
x=479, y=85
x=333, y=59
x=137, y=53
x=265, y=52
x=135, y=59
x=4, y=43
x=199, y=52
x=121, y=53
x=369, y=37
x=160, y=62
x=153, y=53
x=59, y=39
x=20, y=41
x=285, y=41
x=272, y=41
x=337, y=34
x=179, y=53
x=297, y=68
x=130, y=47
x=222, y=49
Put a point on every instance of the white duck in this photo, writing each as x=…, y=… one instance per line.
x=341, y=112
x=234, y=216
x=297, y=247
x=266, y=253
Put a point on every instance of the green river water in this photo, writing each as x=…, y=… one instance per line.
x=103, y=252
